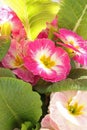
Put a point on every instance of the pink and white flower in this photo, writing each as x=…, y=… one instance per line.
x=8, y=16
x=67, y=111
x=76, y=45
x=48, y=61
x=14, y=61
x=5, y=14
x=18, y=47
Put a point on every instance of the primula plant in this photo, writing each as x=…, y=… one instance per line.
x=43, y=65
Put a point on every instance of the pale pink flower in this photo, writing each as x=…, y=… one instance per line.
x=14, y=61
x=5, y=14
x=67, y=111
x=77, y=47
x=48, y=61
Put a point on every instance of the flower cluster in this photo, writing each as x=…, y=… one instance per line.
x=31, y=60
x=42, y=58
x=48, y=57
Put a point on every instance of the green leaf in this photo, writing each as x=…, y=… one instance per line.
x=18, y=103
x=78, y=73
x=65, y=85
x=33, y=13
x=27, y=125
x=6, y=73
x=4, y=46
x=73, y=15
x=37, y=127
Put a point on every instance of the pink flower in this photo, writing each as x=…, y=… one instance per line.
x=18, y=48
x=18, y=31
x=5, y=14
x=15, y=25
x=75, y=44
x=14, y=61
x=48, y=61
x=67, y=111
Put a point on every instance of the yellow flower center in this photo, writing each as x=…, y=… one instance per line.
x=47, y=61
x=72, y=42
x=75, y=109
x=5, y=29
x=18, y=61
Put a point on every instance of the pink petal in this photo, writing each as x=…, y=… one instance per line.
x=5, y=14
x=26, y=75
x=65, y=33
x=42, y=34
x=47, y=122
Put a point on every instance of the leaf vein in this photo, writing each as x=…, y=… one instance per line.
x=80, y=19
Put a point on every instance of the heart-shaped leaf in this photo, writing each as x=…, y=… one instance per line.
x=73, y=15
x=4, y=46
x=33, y=13
x=18, y=103
x=6, y=73
x=78, y=73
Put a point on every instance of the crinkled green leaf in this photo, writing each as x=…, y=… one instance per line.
x=33, y=13
x=37, y=127
x=78, y=73
x=4, y=46
x=73, y=15
x=27, y=125
x=6, y=73
x=64, y=85
x=18, y=103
